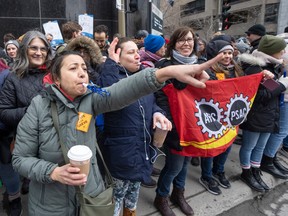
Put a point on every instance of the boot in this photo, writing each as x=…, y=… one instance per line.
x=15, y=207
x=248, y=178
x=128, y=212
x=25, y=186
x=195, y=161
x=156, y=172
x=161, y=203
x=268, y=166
x=151, y=183
x=177, y=197
x=257, y=175
x=279, y=166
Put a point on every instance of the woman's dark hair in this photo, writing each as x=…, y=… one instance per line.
x=179, y=34
x=201, y=53
x=56, y=64
x=121, y=41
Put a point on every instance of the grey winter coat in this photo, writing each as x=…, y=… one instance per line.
x=37, y=150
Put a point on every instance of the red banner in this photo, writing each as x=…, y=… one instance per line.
x=207, y=119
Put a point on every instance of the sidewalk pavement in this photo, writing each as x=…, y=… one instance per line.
x=203, y=203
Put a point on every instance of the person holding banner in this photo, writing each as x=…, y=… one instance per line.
x=263, y=118
x=181, y=50
x=213, y=167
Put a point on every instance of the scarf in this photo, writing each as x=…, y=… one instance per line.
x=183, y=59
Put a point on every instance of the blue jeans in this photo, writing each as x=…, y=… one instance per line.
x=285, y=142
x=275, y=139
x=218, y=164
x=10, y=178
x=252, y=148
x=175, y=170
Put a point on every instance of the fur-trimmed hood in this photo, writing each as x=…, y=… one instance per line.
x=258, y=58
x=90, y=45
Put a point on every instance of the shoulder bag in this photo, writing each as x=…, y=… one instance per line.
x=103, y=203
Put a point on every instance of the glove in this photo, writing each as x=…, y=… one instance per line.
x=284, y=81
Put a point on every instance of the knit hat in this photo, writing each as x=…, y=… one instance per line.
x=153, y=43
x=15, y=42
x=257, y=29
x=242, y=47
x=270, y=44
x=217, y=46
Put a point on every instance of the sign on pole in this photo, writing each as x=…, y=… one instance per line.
x=156, y=20
x=86, y=21
x=52, y=27
x=118, y=4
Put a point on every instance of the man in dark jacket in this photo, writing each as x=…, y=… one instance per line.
x=254, y=35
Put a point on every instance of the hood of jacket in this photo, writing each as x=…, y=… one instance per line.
x=251, y=59
x=89, y=44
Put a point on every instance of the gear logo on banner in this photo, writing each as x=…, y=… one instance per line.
x=212, y=119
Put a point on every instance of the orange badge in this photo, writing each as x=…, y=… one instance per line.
x=83, y=121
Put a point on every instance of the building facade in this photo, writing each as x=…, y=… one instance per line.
x=18, y=16
x=204, y=16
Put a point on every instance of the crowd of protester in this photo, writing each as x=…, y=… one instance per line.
x=34, y=75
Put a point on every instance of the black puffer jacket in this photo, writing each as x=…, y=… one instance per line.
x=17, y=94
x=172, y=140
x=264, y=113
x=255, y=45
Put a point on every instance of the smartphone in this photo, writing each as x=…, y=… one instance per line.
x=270, y=84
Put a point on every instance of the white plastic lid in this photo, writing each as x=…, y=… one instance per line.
x=158, y=124
x=79, y=153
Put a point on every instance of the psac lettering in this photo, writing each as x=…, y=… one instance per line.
x=237, y=114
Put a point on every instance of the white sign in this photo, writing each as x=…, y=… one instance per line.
x=118, y=4
x=86, y=21
x=52, y=27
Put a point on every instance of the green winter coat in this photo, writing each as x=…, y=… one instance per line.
x=37, y=150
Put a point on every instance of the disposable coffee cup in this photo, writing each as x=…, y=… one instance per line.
x=159, y=135
x=79, y=156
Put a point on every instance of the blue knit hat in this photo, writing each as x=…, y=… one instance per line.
x=153, y=43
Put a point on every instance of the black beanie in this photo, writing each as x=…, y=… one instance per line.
x=257, y=29
x=270, y=44
x=217, y=46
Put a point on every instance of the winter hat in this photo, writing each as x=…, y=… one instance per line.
x=15, y=42
x=242, y=47
x=217, y=46
x=257, y=29
x=270, y=44
x=227, y=38
x=153, y=43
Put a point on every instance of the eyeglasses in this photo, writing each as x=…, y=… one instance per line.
x=183, y=41
x=36, y=48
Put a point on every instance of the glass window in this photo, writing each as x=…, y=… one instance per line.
x=271, y=13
